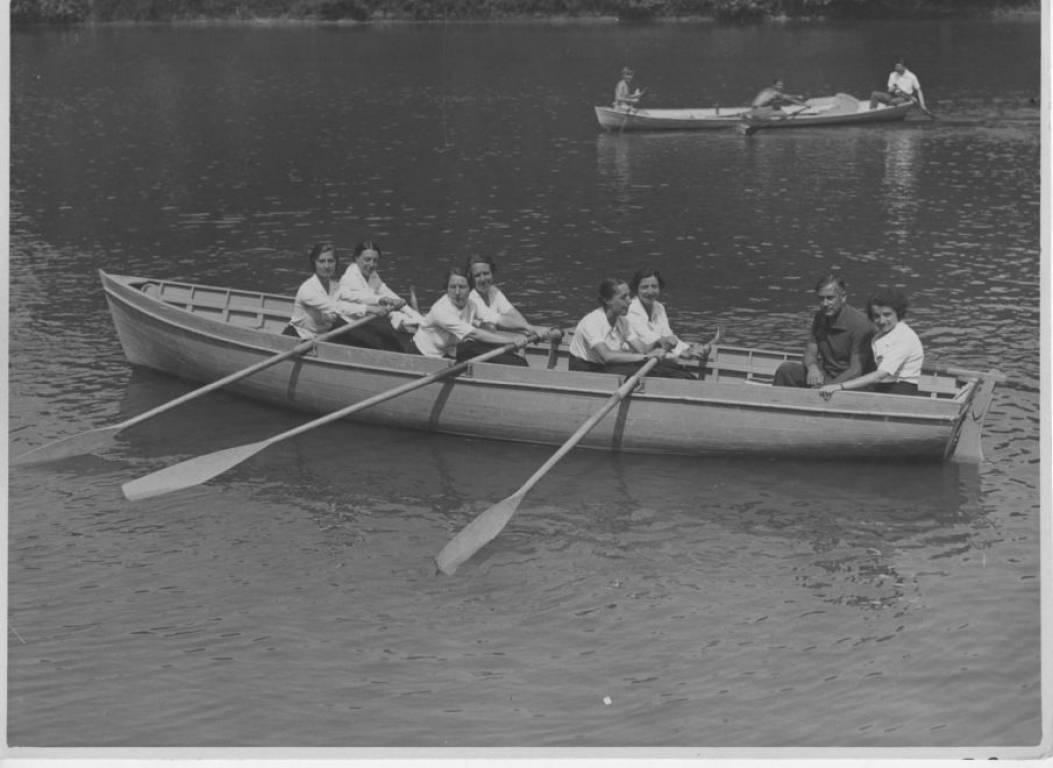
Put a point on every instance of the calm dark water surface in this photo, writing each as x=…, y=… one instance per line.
x=291, y=602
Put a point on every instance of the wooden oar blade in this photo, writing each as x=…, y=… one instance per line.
x=191, y=472
x=67, y=447
x=477, y=534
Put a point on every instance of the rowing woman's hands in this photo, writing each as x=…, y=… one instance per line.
x=540, y=333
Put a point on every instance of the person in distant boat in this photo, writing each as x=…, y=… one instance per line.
x=624, y=98
x=493, y=311
x=361, y=284
x=451, y=327
x=649, y=323
x=838, y=346
x=605, y=343
x=318, y=307
x=903, y=87
x=897, y=350
x=770, y=101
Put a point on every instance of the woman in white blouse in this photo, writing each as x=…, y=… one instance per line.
x=452, y=328
x=898, y=352
x=648, y=319
x=318, y=306
x=361, y=284
x=493, y=310
x=605, y=342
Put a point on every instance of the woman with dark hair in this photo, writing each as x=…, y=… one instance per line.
x=604, y=342
x=648, y=320
x=361, y=284
x=451, y=329
x=898, y=352
x=493, y=310
x=319, y=307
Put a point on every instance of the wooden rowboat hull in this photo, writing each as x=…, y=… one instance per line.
x=203, y=333
x=837, y=110
x=702, y=118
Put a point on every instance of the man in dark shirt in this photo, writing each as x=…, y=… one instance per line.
x=838, y=346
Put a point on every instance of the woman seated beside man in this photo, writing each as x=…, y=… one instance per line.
x=451, y=328
x=605, y=342
x=898, y=352
x=650, y=323
x=319, y=307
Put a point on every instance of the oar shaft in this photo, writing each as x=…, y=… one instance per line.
x=584, y=429
x=100, y=437
x=243, y=373
x=453, y=370
x=968, y=373
x=489, y=524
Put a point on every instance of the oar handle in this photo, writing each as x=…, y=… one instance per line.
x=453, y=370
x=299, y=349
x=553, y=348
x=627, y=386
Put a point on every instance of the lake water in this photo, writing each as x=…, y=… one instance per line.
x=633, y=601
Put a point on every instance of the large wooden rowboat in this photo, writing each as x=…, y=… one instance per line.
x=842, y=109
x=700, y=118
x=203, y=333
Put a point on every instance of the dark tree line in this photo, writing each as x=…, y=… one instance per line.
x=81, y=11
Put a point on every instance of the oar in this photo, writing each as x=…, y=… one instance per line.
x=632, y=108
x=968, y=373
x=201, y=469
x=752, y=128
x=413, y=299
x=488, y=524
x=96, y=439
x=553, y=349
x=917, y=103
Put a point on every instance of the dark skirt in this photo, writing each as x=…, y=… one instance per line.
x=470, y=348
x=375, y=334
x=897, y=388
x=666, y=369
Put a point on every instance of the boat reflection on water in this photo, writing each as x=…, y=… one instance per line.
x=612, y=164
x=841, y=523
x=627, y=163
x=899, y=184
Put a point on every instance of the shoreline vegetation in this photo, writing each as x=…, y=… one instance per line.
x=26, y=12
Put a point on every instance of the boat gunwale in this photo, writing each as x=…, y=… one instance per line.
x=666, y=118
x=954, y=406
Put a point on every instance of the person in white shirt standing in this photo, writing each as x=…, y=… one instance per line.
x=903, y=86
x=451, y=327
x=898, y=352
